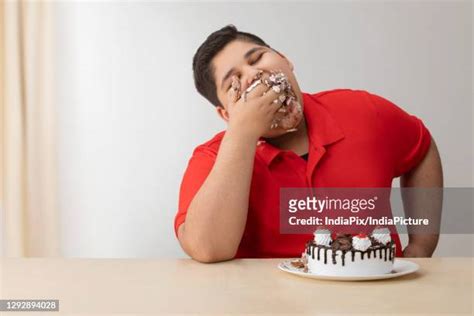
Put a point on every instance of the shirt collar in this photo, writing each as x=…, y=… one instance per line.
x=321, y=126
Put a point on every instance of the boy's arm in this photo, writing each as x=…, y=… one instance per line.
x=217, y=214
x=416, y=160
x=428, y=174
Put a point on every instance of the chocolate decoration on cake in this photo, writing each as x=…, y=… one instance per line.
x=313, y=250
x=298, y=264
x=343, y=257
x=342, y=242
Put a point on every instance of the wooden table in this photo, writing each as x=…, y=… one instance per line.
x=163, y=286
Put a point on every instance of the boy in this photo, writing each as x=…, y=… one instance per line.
x=229, y=196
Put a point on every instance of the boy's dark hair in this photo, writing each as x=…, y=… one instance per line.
x=202, y=67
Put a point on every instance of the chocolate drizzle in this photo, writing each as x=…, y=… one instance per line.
x=391, y=254
x=388, y=252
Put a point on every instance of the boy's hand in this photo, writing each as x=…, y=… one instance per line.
x=253, y=116
x=416, y=251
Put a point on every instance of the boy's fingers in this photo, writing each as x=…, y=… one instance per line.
x=233, y=94
x=257, y=91
x=275, y=105
x=271, y=95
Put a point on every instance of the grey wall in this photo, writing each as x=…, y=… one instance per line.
x=129, y=116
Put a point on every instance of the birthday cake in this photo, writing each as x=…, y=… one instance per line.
x=348, y=255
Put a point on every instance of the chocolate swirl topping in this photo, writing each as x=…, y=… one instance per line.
x=342, y=242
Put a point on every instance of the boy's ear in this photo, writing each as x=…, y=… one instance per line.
x=222, y=113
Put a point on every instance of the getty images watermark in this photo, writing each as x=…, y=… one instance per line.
x=359, y=210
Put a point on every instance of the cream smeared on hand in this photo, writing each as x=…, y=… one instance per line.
x=289, y=113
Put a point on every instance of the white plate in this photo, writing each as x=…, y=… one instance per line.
x=400, y=267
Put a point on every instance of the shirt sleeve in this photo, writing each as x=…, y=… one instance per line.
x=199, y=167
x=405, y=136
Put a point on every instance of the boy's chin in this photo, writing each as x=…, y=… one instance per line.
x=279, y=131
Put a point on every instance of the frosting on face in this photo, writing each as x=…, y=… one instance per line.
x=382, y=235
x=290, y=112
x=322, y=237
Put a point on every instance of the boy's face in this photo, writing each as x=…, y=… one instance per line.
x=245, y=59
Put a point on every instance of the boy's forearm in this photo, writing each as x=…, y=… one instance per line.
x=217, y=215
x=425, y=203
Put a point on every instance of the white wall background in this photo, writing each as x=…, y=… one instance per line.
x=129, y=116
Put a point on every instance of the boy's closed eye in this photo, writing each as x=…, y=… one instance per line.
x=251, y=62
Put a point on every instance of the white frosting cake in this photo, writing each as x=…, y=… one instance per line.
x=350, y=255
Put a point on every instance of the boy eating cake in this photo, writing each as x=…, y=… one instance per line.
x=278, y=136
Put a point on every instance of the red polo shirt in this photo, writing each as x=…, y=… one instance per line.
x=356, y=140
